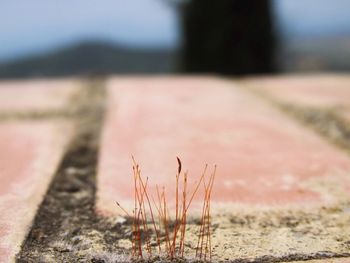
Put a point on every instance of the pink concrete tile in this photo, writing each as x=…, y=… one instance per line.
x=263, y=157
x=307, y=90
x=36, y=94
x=29, y=155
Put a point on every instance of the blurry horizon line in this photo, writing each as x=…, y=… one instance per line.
x=102, y=41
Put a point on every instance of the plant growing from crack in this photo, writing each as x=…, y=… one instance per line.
x=170, y=236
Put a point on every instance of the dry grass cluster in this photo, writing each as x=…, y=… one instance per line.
x=151, y=219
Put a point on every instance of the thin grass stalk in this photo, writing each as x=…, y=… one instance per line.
x=143, y=214
x=182, y=243
x=166, y=225
x=152, y=217
x=206, y=222
x=211, y=188
x=176, y=207
x=139, y=242
x=200, y=236
x=161, y=217
x=135, y=212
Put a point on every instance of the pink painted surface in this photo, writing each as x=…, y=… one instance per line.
x=36, y=94
x=262, y=156
x=29, y=155
x=307, y=90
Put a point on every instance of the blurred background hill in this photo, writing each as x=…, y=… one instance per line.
x=92, y=58
x=323, y=53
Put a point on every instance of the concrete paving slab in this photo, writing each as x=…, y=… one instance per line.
x=36, y=95
x=280, y=191
x=30, y=152
x=263, y=157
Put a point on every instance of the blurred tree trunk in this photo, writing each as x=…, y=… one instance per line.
x=231, y=37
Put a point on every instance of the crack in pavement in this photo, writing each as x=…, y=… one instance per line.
x=325, y=121
x=68, y=206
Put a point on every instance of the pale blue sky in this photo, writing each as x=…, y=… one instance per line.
x=38, y=25
x=29, y=26
x=307, y=18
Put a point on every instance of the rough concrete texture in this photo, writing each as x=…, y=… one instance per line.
x=36, y=95
x=30, y=152
x=345, y=113
x=281, y=190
